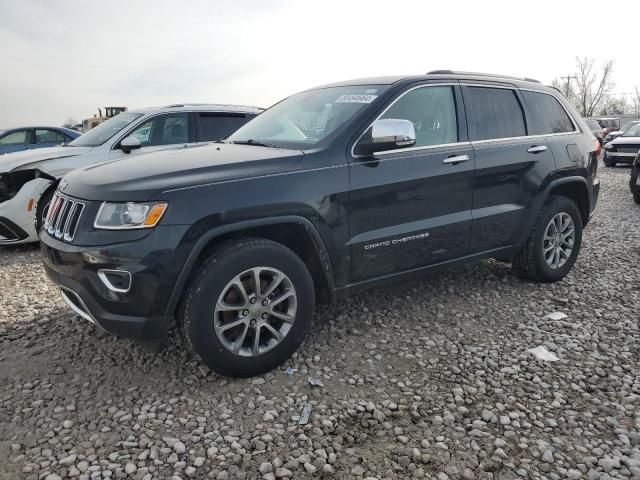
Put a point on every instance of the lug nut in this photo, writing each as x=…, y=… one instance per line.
x=253, y=300
x=265, y=302
x=265, y=316
x=252, y=322
x=245, y=313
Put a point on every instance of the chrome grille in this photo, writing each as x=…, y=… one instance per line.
x=632, y=149
x=63, y=217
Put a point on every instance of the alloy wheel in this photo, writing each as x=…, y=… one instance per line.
x=255, y=311
x=558, y=241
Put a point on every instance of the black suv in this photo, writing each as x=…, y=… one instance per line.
x=330, y=191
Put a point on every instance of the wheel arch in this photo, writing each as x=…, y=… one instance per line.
x=294, y=232
x=574, y=188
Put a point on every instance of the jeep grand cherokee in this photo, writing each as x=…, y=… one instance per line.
x=330, y=191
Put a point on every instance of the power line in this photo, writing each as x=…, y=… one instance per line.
x=568, y=78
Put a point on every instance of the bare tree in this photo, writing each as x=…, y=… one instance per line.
x=614, y=105
x=592, y=86
x=70, y=122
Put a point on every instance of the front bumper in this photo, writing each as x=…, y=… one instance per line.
x=620, y=157
x=139, y=312
x=17, y=221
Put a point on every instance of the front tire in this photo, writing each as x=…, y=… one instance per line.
x=42, y=208
x=553, y=246
x=248, y=308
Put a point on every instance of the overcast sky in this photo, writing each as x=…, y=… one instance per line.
x=64, y=59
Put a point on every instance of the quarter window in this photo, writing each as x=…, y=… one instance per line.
x=216, y=126
x=15, y=138
x=432, y=110
x=497, y=113
x=547, y=115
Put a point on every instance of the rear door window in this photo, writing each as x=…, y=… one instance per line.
x=497, y=113
x=215, y=126
x=547, y=115
x=49, y=136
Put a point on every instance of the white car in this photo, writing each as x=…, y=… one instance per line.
x=28, y=179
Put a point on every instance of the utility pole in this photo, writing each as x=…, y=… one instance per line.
x=568, y=78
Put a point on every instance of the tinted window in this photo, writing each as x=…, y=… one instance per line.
x=15, y=138
x=547, y=115
x=497, y=113
x=432, y=110
x=163, y=130
x=49, y=136
x=216, y=126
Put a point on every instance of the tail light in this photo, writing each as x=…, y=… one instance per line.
x=597, y=148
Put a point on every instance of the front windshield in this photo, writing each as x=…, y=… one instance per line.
x=103, y=132
x=307, y=118
x=627, y=126
x=633, y=131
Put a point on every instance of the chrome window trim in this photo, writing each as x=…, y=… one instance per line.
x=542, y=135
x=424, y=85
x=417, y=149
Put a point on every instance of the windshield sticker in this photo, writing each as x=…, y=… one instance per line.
x=356, y=98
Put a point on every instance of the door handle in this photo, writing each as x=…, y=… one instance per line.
x=537, y=149
x=456, y=159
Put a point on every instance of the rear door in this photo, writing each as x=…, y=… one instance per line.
x=508, y=164
x=411, y=207
x=45, y=137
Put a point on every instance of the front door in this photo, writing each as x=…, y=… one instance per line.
x=412, y=207
x=159, y=133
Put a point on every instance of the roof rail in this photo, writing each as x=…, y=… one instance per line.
x=493, y=75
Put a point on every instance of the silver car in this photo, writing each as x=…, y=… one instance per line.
x=28, y=179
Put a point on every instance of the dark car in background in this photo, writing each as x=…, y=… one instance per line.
x=25, y=138
x=609, y=124
x=623, y=149
x=596, y=129
x=333, y=190
x=616, y=133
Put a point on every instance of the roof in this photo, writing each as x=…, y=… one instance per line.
x=44, y=127
x=201, y=107
x=442, y=75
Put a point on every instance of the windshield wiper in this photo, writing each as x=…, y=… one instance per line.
x=251, y=141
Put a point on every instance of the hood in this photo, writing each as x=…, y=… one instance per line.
x=37, y=157
x=620, y=141
x=139, y=178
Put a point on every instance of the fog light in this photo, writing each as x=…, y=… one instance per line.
x=116, y=280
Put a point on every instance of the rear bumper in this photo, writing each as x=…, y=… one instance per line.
x=138, y=312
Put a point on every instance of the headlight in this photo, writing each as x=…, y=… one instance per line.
x=130, y=215
x=608, y=146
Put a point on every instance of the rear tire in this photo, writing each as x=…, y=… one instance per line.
x=223, y=292
x=540, y=259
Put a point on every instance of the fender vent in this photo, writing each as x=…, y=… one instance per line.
x=63, y=217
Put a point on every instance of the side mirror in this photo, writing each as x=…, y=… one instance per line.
x=388, y=134
x=130, y=143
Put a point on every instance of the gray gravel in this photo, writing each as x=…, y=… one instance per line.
x=431, y=379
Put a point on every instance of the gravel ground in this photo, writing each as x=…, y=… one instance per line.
x=431, y=379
